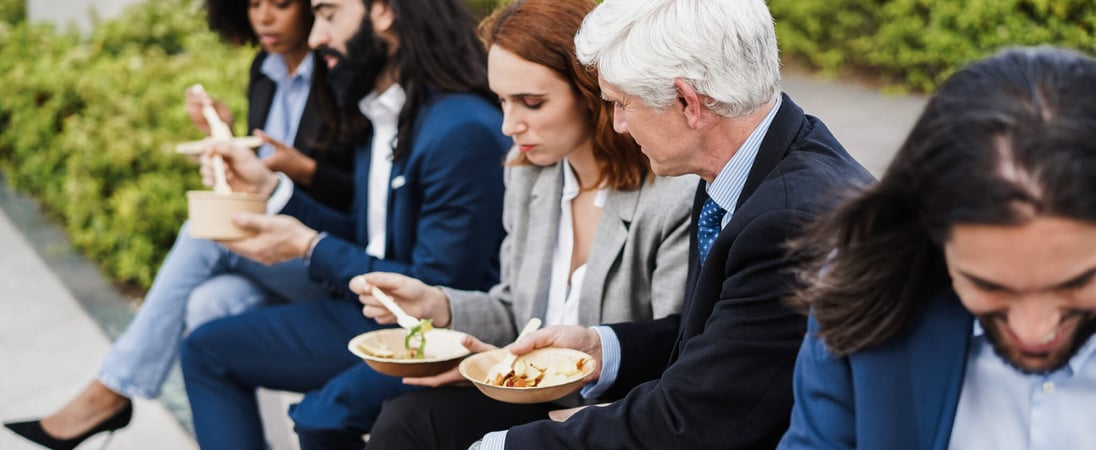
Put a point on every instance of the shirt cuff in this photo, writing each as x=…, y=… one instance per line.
x=280, y=197
x=315, y=242
x=610, y=363
x=495, y=440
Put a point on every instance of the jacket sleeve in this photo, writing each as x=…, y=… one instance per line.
x=823, y=415
x=318, y=216
x=730, y=387
x=458, y=216
x=489, y=316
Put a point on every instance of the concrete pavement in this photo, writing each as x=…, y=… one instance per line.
x=50, y=348
x=870, y=125
x=51, y=340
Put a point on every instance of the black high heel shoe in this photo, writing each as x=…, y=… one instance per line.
x=33, y=431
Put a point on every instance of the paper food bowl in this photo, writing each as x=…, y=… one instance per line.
x=211, y=213
x=443, y=352
x=476, y=367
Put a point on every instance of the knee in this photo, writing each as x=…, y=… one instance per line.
x=328, y=439
x=398, y=418
x=201, y=307
x=219, y=297
x=198, y=350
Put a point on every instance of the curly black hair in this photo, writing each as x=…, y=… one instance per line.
x=228, y=18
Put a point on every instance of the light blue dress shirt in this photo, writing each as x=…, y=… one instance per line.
x=724, y=190
x=290, y=96
x=1003, y=409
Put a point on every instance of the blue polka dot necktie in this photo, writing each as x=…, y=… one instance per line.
x=708, y=226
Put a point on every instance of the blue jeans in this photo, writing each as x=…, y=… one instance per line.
x=299, y=347
x=199, y=281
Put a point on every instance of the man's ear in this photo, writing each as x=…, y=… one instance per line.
x=382, y=15
x=690, y=103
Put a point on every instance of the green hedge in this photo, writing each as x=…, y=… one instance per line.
x=915, y=44
x=87, y=126
x=12, y=11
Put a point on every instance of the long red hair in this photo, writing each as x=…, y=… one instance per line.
x=543, y=32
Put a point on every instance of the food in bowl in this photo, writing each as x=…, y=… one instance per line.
x=383, y=350
x=525, y=373
x=416, y=333
x=477, y=367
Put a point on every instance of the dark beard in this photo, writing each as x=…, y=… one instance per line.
x=356, y=72
x=1085, y=329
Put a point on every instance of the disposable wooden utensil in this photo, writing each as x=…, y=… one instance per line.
x=506, y=365
x=198, y=147
x=405, y=320
x=218, y=130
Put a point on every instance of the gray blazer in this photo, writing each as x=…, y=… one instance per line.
x=636, y=269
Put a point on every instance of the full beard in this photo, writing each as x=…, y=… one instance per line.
x=357, y=71
x=1084, y=330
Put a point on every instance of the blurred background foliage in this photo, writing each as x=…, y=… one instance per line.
x=915, y=44
x=88, y=123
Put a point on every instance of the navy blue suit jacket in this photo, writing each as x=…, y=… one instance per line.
x=902, y=394
x=444, y=203
x=719, y=374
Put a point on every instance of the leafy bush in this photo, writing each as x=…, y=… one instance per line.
x=12, y=11
x=918, y=43
x=481, y=8
x=87, y=126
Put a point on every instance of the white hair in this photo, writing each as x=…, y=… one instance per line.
x=724, y=49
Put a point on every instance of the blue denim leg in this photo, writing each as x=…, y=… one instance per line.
x=222, y=296
x=296, y=347
x=219, y=281
x=140, y=359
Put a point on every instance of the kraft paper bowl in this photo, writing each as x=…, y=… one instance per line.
x=443, y=352
x=211, y=213
x=476, y=367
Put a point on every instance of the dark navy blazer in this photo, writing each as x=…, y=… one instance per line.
x=444, y=203
x=902, y=394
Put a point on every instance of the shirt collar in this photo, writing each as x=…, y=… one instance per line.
x=1077, y=362
x=571, y=187
x=275, y=68
x=384, y=107
x=727, y=186
x=570, y=181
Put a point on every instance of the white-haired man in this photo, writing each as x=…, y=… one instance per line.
x=697, y=84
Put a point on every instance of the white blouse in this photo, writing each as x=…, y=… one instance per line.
x=563, y=292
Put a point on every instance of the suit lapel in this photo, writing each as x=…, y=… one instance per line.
x=786, y=125
x=937, y=365
x=544, y=203
x=776, y=144
x=694, y=253
x=308, y=128
x=609, y=240
x=261, y=96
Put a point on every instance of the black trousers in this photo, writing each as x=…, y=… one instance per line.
x=447, y=418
